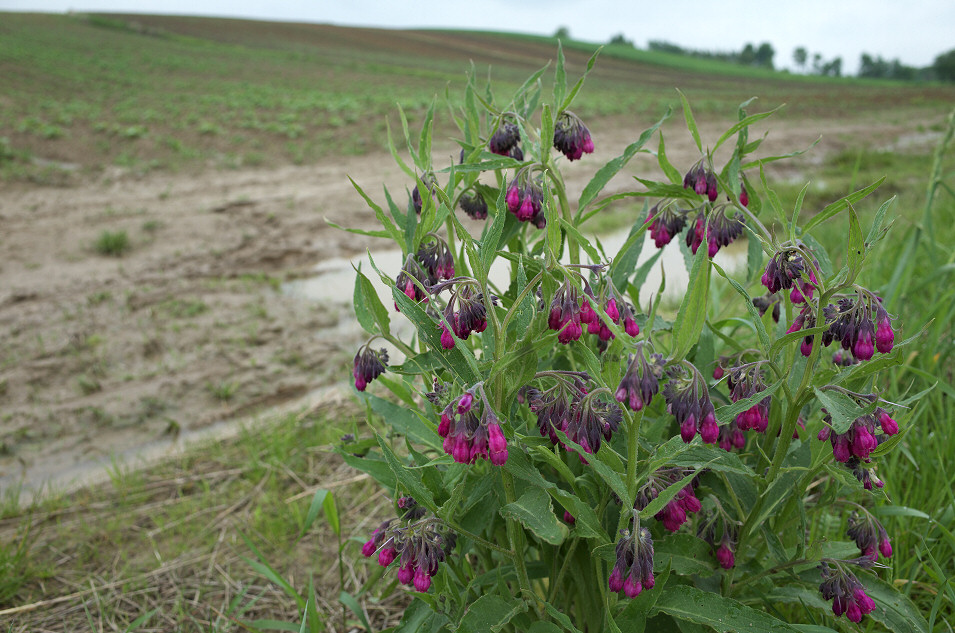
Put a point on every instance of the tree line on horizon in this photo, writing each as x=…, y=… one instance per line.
x=762, y=55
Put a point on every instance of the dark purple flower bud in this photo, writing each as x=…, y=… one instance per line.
x=884, y=335
x=633, y=570
x=497, y=445
x=405, y=574
x=743, y=195
x=504, y=139
x=665, y=224
x=571, y=136
x=725, y=556
x=889, y=426
x=641, y=380
x=474, y=205
x=422, y=581
x=688, y=399
x=465, y=402
x=569, y=518
x=846, y=592
x=869, y=535
x=429, y=182
x=386, y=555
x=564, y=316
x=369, y=364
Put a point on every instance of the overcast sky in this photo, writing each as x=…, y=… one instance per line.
x=914, y=31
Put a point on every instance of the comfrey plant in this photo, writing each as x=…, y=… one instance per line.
x=565, y=456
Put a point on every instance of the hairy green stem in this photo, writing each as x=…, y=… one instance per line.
x=515, y=536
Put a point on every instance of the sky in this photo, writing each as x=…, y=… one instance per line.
x=913, y=31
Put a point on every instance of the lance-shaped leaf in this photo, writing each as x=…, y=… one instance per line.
x=692, y=314
x=535, y=512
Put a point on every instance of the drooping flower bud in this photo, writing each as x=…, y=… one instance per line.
x=369, y=364
x=632, y=572
x=571, y=136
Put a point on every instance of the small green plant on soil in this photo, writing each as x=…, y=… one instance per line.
x=112, y=243
x=563, y=458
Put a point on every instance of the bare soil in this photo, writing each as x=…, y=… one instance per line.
x=189, y=325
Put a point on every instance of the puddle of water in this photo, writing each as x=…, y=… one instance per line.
x=334, y=281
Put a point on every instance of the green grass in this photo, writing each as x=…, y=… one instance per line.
x=172, y=537
x=112, y=243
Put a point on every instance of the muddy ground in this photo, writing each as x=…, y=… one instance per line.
x=189, y=325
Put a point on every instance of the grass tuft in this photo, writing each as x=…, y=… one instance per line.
x=112, y=243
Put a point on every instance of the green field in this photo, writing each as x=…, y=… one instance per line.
x=149, y=92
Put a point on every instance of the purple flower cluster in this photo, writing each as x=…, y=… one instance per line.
x=435, y=258
x=616, y=310
x=369, y=364
x=869, y=535
x=564, y=315
x=859, y=323
x=419, y=548
x=641, y=380
x=467, y=435
x=633, y=570
x=430, y=183
x=505, y=140
x=688, y=399
x=675, y=513
x=524, y=198
x=716, y=228
x=852, y=324
x=665, y=224
x=786, y=269
x=474, y=205
x=585, y=419
x=745, y=381
x=725, y=546
x=571, y=136
x=860, y=439
x=465, y=312
x=702, y=181
x=846, y=592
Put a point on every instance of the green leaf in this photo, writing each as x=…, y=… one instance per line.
x=569, y=99
x=690, y=121
x=410, y=479
x=684, y=554
x=385, y=221
x=492, y=237
x=381, y=234
x=404, y=420
x=488, y=612
x=727, y=413
x=748, y=303
x=723, y=614
x=560, y=76
x=841, y=408
x=839, y=205
x=626, y=260
x=753, y=118
x=368, y=307
x=547, y=131
x=856, y=251
x=534, y=510
x=671, y=172
x=419, y=617
x=692, y=314
x=318, y=502
x=349, y=601
x=608, y=171
x=892, y=609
